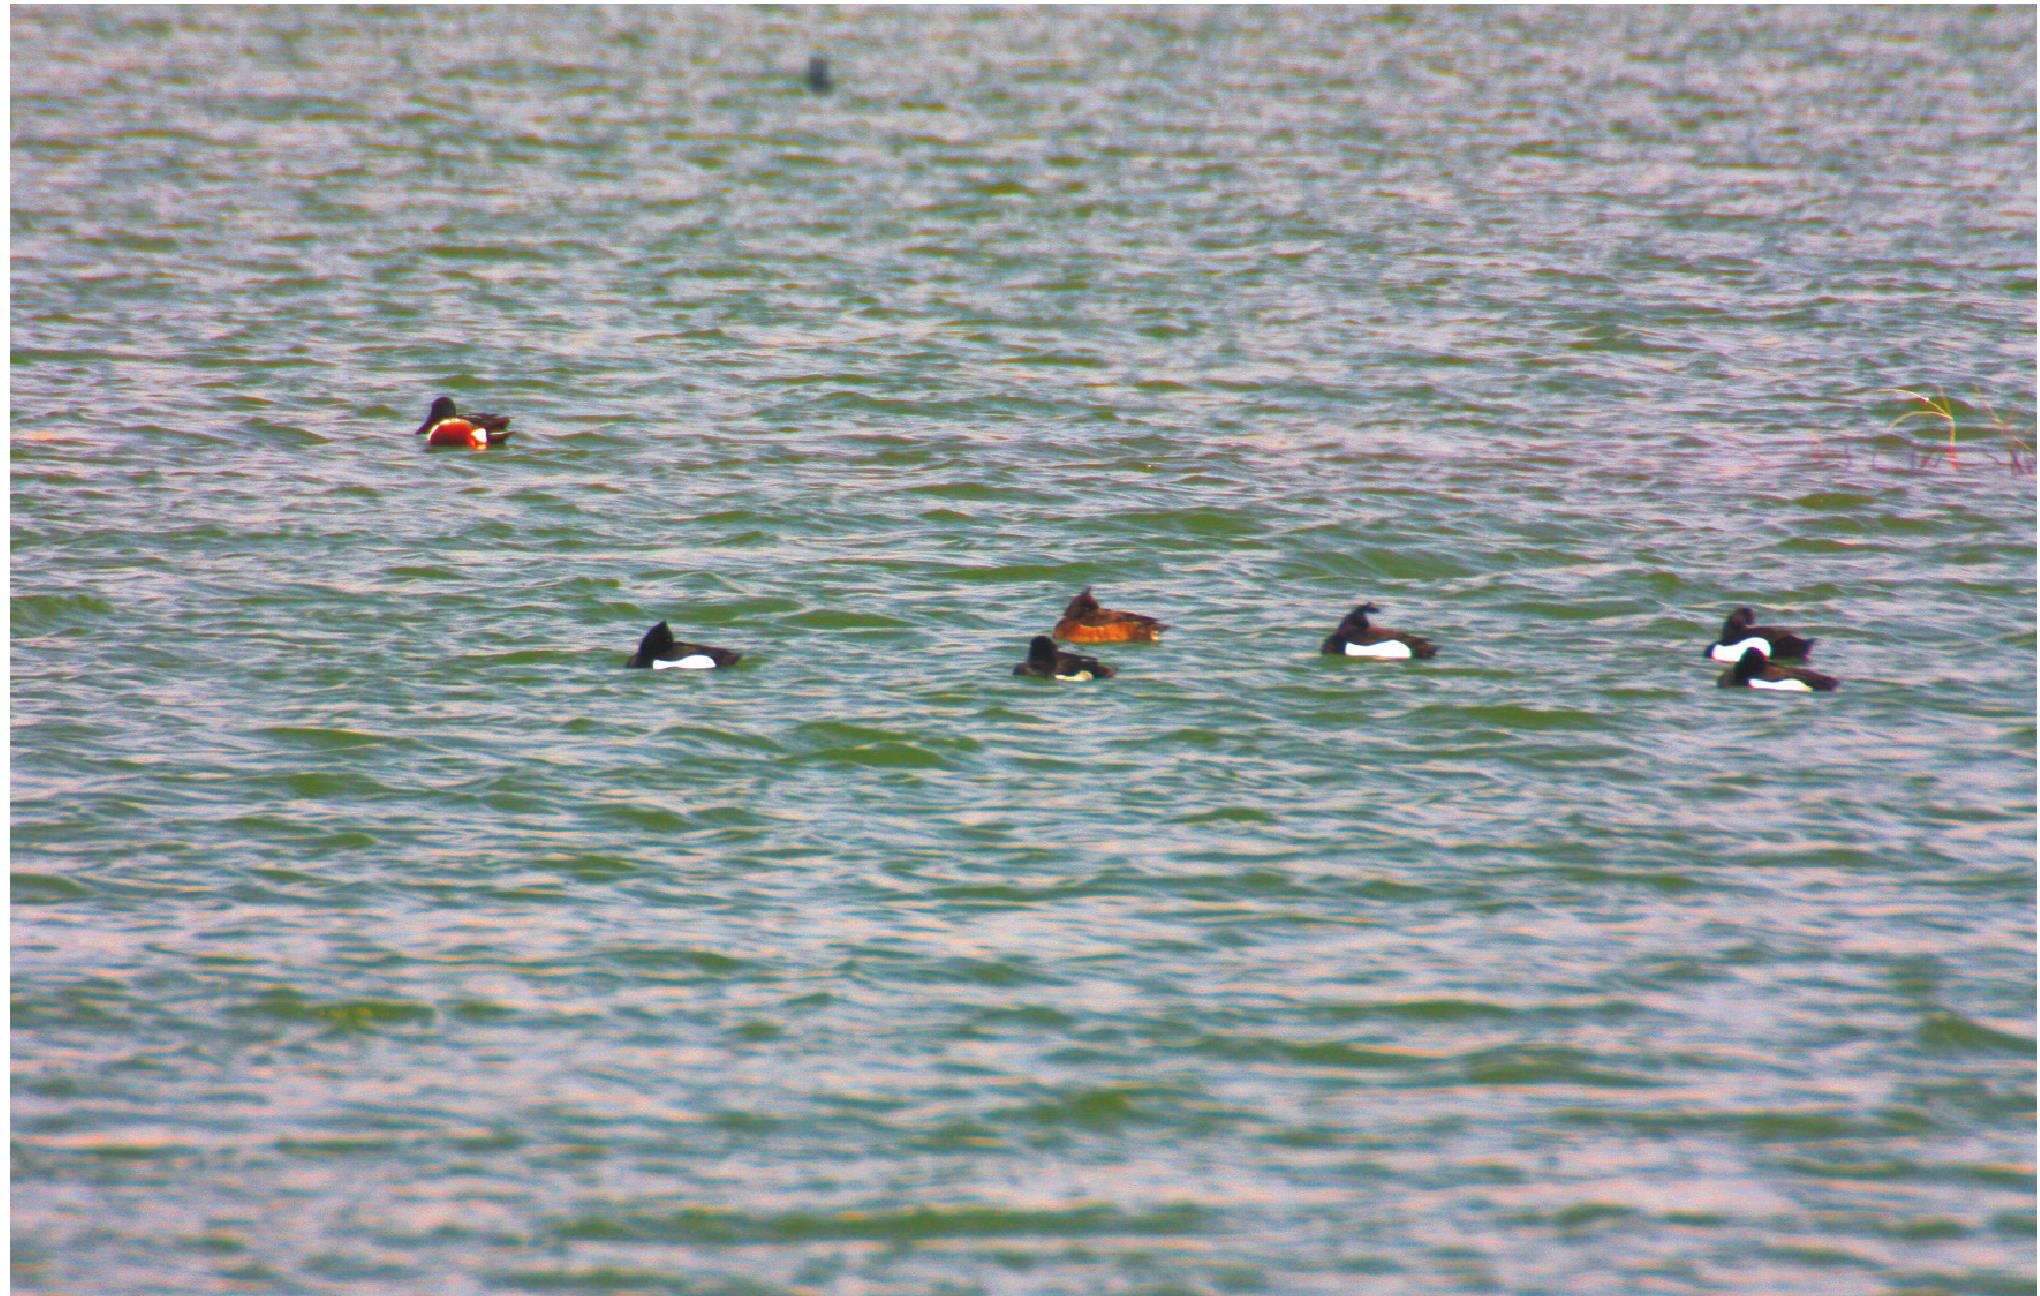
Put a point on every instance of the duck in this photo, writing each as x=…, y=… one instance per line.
x=1083, y=621
x=659, y=650
x=1046, y=661
x=1755, y=670
x=1741, y=632
x=1355, y=638
x=445, y=429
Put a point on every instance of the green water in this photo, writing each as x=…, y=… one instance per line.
x=375, y=931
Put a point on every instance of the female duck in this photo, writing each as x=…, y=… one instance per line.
x=1045, y=661
x=1356, y=638
x=1083, y=621
x=659, y=650
x=1754, y=670
x=444, y=429
x=1741, y=632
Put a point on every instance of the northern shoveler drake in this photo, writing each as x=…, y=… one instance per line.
x=1083, y=621
x=1356, y=638
x=1755, y=670
x=659, y=650
x=1046, y=661
x=1741, y=632
x=444, y=429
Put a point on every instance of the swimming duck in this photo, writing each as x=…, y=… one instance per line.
x=659, y=650
x=445, y=429
x=1045, y=661
x=1083, y=621
x=1741, y=631
x=1355, y=638
x=1755, y=670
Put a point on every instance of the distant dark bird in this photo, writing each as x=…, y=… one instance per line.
x=1045, y=661
x=445, y=429
x=818, y=74
x=659, y=650
x=1756, y=671
x=1741, y=631
x=1356, y=638
x=1083, y=621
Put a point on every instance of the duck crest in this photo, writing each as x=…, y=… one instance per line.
x=1355, y=623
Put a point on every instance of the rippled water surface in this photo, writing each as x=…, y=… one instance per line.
x=375, y=931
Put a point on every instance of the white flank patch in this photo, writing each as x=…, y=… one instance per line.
x=1387, y=650
x=1782, y=686
x=1730, y=654
x=1081, y=677
x=697, y=661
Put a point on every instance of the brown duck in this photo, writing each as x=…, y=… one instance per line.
x=1083, y=621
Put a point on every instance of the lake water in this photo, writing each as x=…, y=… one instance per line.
x=375, y=931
